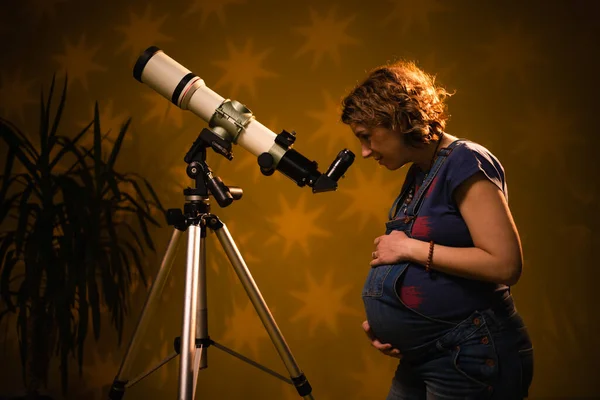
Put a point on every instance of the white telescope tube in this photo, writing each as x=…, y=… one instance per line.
x=187, y=91
x=232, y=122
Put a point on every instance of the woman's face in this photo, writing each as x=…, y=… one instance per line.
x=384, y=145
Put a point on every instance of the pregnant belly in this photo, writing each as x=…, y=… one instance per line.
x=393, y=323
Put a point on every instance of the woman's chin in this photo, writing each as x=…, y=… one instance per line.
x=392, y=167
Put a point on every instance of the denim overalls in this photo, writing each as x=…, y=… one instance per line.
x=486, y=355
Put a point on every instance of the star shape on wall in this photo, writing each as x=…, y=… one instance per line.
x=324, y=302
x=244, y=329
x=242, y=69
x=331, y=130
x=411, y=14
x=296, y=225
x=210, y=7
x=325, y=35
x=78, y=61
x=364, y=206
x=142, y=30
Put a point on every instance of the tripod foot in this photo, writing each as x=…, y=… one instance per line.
x=117, y=390
x=302, y=385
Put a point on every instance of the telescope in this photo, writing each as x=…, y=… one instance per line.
x=230, y=122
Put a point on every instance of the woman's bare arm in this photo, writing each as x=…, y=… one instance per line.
x=496, y=255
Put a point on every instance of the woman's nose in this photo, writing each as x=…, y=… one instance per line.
x=366, y=152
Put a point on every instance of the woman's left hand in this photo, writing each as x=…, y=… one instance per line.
x=391, y=249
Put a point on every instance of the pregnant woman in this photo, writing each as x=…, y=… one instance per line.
x=437, y=294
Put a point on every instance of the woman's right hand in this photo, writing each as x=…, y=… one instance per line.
x=385, y=348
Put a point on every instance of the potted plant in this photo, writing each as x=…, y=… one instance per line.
x=63, y=254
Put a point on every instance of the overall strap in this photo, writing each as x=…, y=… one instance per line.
x=410, y=178
x=415, y=205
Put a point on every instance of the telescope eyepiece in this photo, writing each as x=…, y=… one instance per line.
x=340, y=165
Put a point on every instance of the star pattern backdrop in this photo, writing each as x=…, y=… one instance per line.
x=525, y=77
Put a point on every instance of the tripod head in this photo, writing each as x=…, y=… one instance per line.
x=206, y=183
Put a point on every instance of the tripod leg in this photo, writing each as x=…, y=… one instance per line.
x=118, y=388
x=188, y=334
x=200, y=355
x=242, y=271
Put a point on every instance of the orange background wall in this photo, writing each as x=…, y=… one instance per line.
x=525, y=75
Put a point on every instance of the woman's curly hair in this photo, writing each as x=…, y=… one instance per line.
x=401, y=97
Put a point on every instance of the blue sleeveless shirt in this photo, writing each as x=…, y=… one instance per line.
x=435, y=293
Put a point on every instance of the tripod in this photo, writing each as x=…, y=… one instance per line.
x=193, y=345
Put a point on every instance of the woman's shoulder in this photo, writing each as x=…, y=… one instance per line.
x=466, y=149
x=467, y=145
x=467, y=158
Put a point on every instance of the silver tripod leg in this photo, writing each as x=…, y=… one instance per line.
x=187, y=375
x=201, y=353
x=195, y=321
x=260, y=306
x=149, y=306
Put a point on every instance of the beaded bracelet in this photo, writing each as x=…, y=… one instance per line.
x=430, y=258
